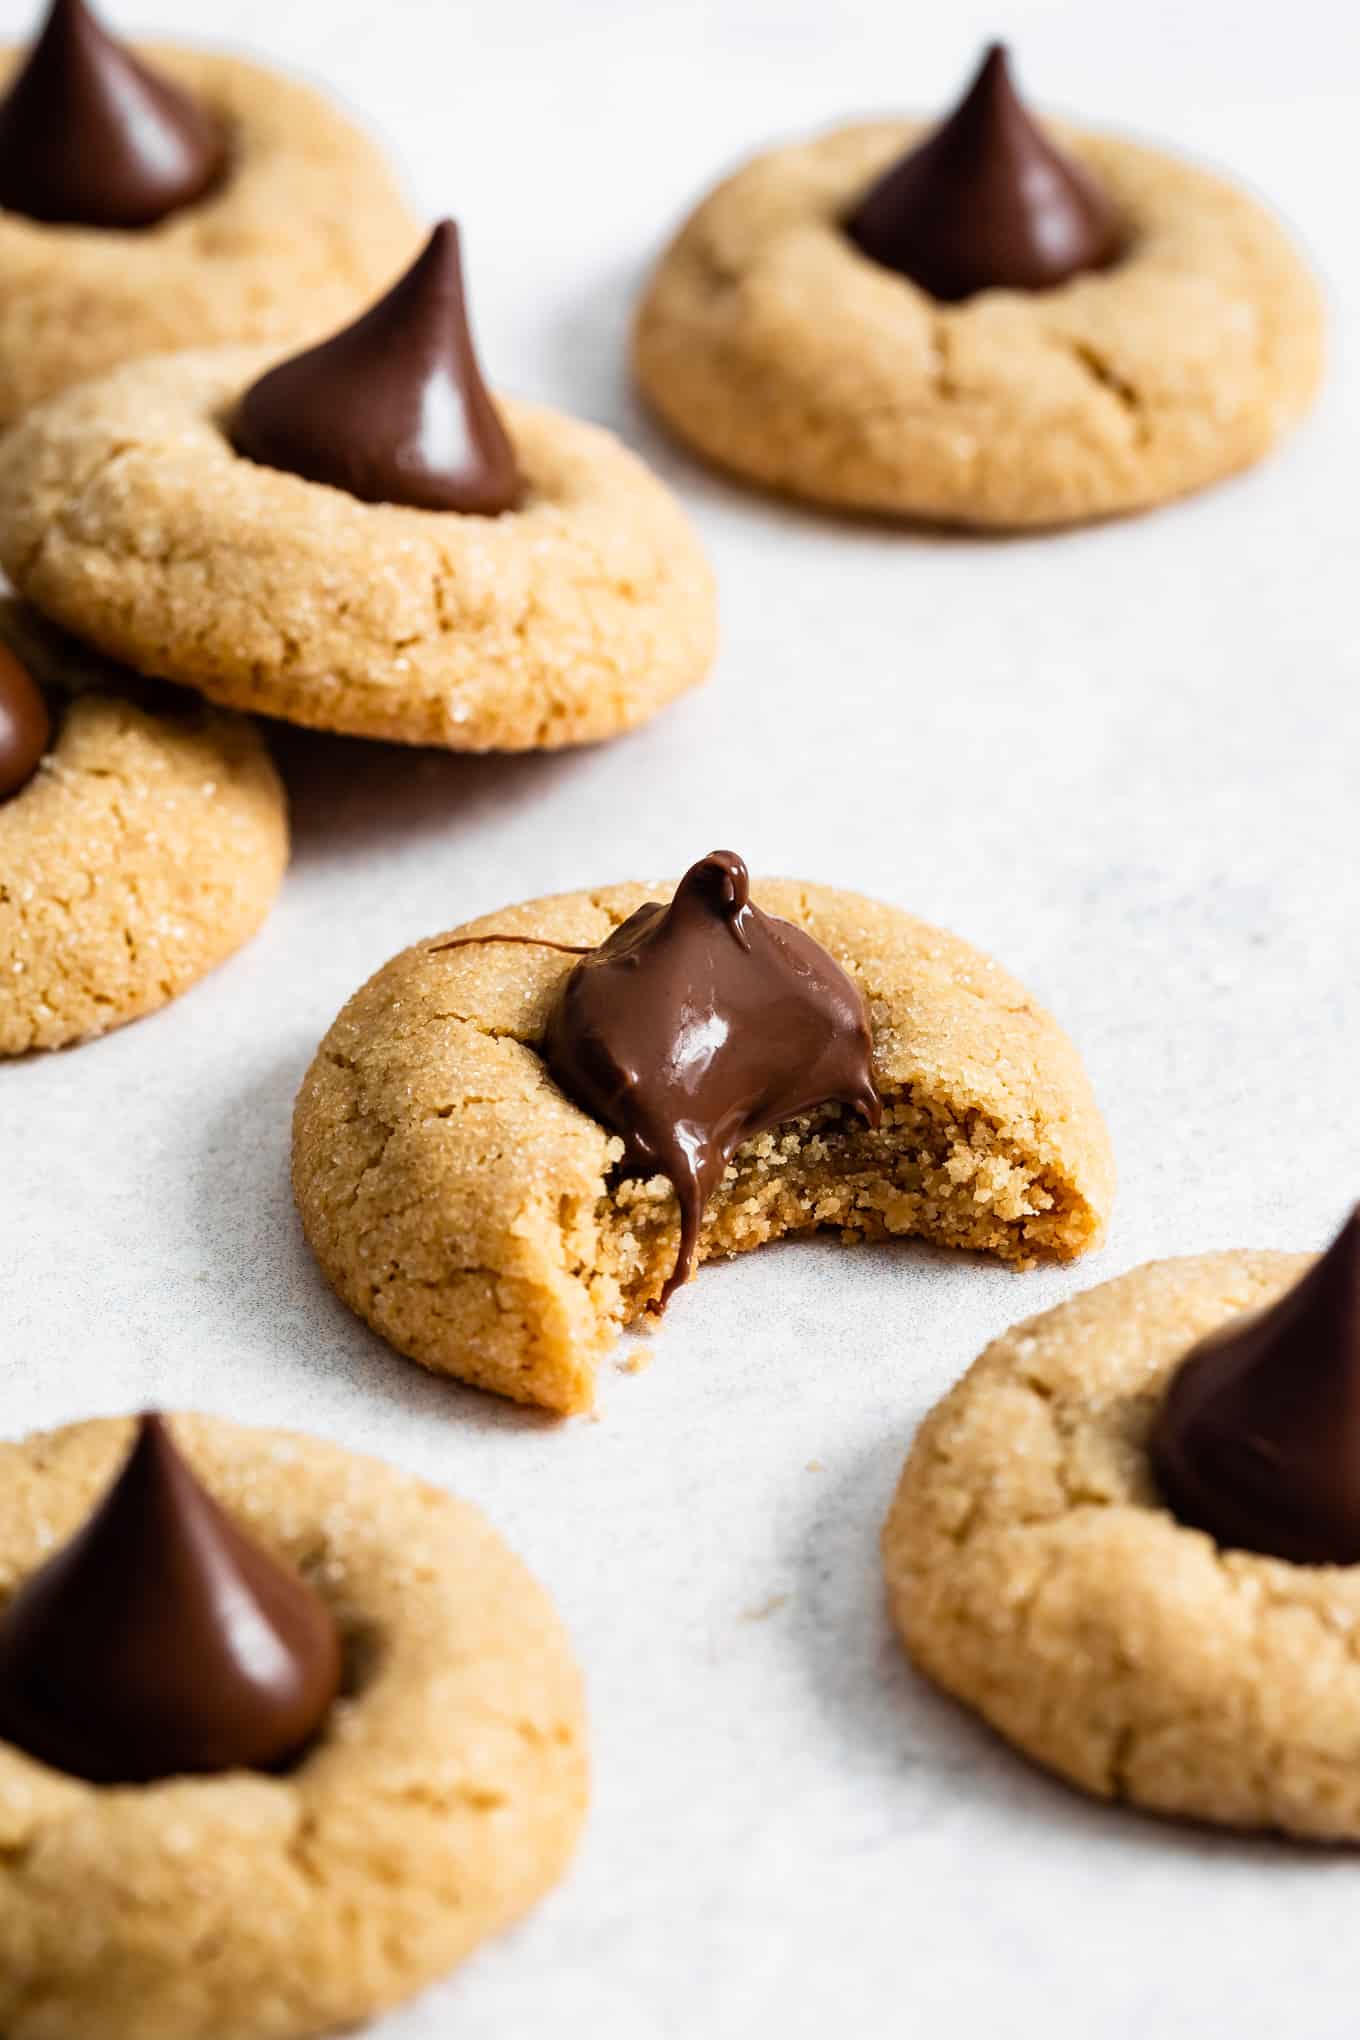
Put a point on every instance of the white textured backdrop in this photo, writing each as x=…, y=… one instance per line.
x=1124, y=760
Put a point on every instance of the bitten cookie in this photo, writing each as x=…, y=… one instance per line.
x=442, y=1794
x=147, y=846
x=492, y=1229
x=1042, y=1566
x=1177, y=343
x=302, y=224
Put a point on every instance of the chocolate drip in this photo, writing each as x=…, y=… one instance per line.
x=987, y=202
x=161, y=1641
x=90, y=137
x=525, y=941
x=1258, y=1438
x=698, y=1025
x=393, y=409
x=25, y=725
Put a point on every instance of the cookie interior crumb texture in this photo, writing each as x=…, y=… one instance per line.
x=773, y=346
x=1035, y=1573
x=478, y=1220
x=305, y=227
x=445, y=1795
x=127, y=516
x=148, y=848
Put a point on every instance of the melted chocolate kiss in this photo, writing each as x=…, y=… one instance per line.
x=89, y=137
x=25, y=725
x=162, y=1641
x=394, y=409
x=986, y=202
x=700, y=1024
x=1258, y=1439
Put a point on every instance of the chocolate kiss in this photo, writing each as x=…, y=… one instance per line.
x=698, y=1025
x=25, y=725
x=986, y=202
x=89, y=137
x=393, y=409
x=1258, y=1438
x=162, y=1641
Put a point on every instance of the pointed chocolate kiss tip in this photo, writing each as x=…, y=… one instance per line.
x=698, y=1025
x=162, y=1641
x=986, y=202
x=90, y=137
x=721, y=880
x=393, y=409
x=25, y=725
x=1258, y=1437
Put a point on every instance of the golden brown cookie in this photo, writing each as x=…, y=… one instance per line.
x=306, y=226
x=481, y=1223
x=1036, y=1574
x=771, y=344
x=148, y=847
x=126, y=515
x=445, y=1795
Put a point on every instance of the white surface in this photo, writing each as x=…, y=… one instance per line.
x=1125, y=761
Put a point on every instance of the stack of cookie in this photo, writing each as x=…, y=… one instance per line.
x=357, y=538
x=263, y=1700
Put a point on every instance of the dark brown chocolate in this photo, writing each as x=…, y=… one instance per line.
x=698, y=1025
x=25, y=725
x=987, y=202
x=1258, y=1437
x=393, y=409
x=89, y=137
x=162, y=1641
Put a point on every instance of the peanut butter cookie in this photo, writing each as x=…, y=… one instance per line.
x=772, y=342
x=1040, y=1570
x=301, y=226
x=127, y=515
x=145, y=848
x=494, y=1230
x=441, y=1797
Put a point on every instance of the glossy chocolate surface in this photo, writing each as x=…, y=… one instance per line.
x=699, y=1024
x=91, y=137
x=1258, y=1437
x=393, y=409
x=987, y=202
x=161, y=1640
x=25, y=725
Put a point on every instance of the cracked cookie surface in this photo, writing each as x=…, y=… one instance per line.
x=305, y=228
x=445, y=1793
x=476, y=1218
x=771, y=344
x=128, y=517
x=147, y=849
x=1036, y=1575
